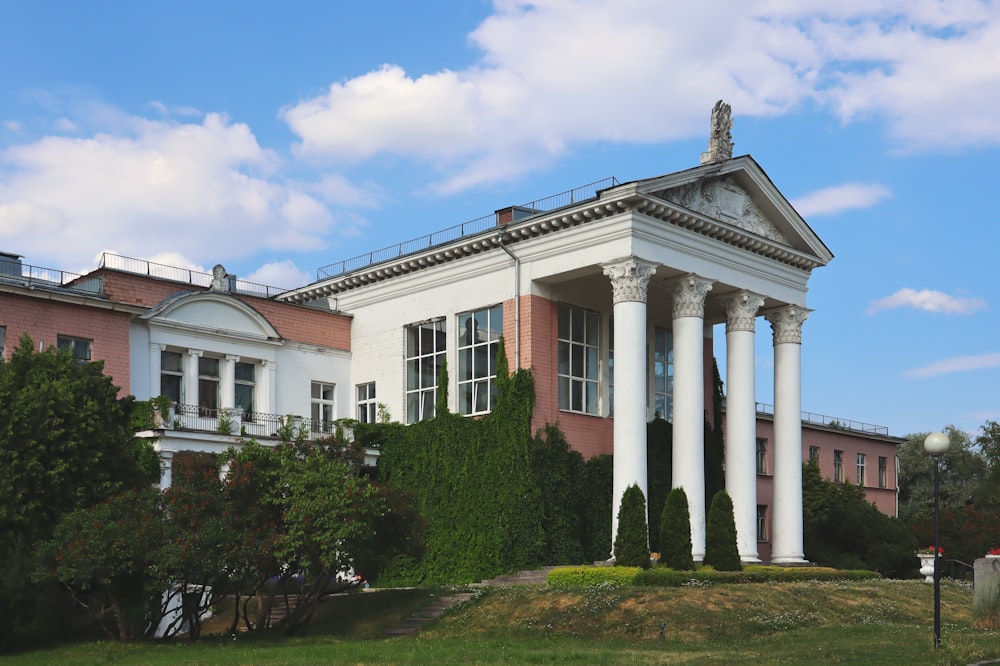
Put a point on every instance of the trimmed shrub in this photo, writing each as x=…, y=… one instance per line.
x=720, y=535
x=661, y=577
x=675, y=532
x=631, y=547
x=587, y=576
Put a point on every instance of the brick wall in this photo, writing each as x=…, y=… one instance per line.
x=44, y=319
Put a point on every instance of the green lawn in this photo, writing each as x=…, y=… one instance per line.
x=875, y=622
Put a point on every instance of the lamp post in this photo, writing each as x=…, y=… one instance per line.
x=935, y=444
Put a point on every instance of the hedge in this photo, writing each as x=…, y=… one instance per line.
x=588, y=576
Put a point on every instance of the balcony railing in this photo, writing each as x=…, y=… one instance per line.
x=238, y=423
x=465, y=229
x=831, y=421
x=36, y=276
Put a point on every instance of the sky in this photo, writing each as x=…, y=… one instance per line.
x=277, y=138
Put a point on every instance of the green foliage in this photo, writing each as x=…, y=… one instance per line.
x=842, y=529
x=631, y=546
x=659, y=473
x=441, y=398
x=589, y=576
x=721, y=552
x=596, y=507
x=715, y=476
x=474, y=485
x=675, y=532
x=65, y=441
x=664, y=577
x=559, y=473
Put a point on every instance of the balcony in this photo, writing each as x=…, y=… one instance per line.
x=237, y=423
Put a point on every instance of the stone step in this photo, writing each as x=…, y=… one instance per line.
x=421, y=618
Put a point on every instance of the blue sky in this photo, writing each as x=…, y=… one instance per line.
x=276, y=138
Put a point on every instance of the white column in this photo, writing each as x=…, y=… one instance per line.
x=786, y=523
x=227, y=379
x=155, y=351
x=741, y=419
x=629, y=282
x=689, y=401
x=166, y=469
x=190, y=393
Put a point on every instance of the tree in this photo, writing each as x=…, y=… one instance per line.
x=963, y=472
x=720, y=535
x=631, y=548
x=675, y=532
x=65, y=441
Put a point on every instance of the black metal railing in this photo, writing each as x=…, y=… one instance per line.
x=185, y=275
x=36, y=276
x=831, y=421
x=239, y=423
x=470, y=228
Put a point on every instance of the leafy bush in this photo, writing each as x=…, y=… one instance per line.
x=631, y=548
x=721, y=552
x=663, y=577
x=588, y=576
x=675, y=532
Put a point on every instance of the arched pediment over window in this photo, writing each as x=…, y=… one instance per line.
x=212, y=312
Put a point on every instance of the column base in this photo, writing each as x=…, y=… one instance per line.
x=792, y=562
x=750, y=560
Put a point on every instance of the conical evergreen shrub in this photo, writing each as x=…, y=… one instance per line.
x=675, y=532
x=631, y=548
x=720, y=535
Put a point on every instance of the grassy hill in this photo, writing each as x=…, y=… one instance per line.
x=872, y=622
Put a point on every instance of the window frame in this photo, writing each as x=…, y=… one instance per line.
x=663, y=373
x=838, y=466
x=178, y=374
x=578, y=360
x=204, y=379
x=761, y=456
x=883, y=472
x=861, y=460
x=814, y=453
x=320, y=405
x=762, y=523
x=472, y=380
x=250, y=410
x=421, y=400
x=366, y=407
x=73, y=343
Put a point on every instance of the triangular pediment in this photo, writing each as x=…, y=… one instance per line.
x=211, y=311
x=737, y=192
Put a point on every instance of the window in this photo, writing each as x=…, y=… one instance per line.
x=322, y=407
x=208, y=385
x=838, y=466
x=883, y=472
x=245, y=385
x=814, y=454
x=478, y=340
x=3, y=340
x=761, y=522
x=80, y=347
x=578, y=359
x=761, y=455
x=366, y=402
x=611, y=366
x=663, y=373
x=861, y=469
x=171, y=375
x=425, y=353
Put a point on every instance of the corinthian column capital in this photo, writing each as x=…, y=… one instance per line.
x=741, y=311
x=629, y=279
x=786, y=323
x=689, y=295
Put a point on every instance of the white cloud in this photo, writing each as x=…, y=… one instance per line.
x=556, y=73
x=836, y=199
x=957, y=364
x=283, y=274
x=929, y=301
x=204, y=191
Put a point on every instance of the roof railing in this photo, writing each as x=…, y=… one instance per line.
x=36, y=276
x=470, y=228
x=184, y=275
x=831, y=421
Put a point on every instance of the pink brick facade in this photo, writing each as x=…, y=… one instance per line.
x=44, y=319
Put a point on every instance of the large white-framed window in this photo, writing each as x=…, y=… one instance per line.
x=883, y=472
x=861, y=469
x=208, y=385
x=245, y=385
x=172, y=375
x=367, y=407
x=838, y=466
x=323, y=404
x=426, y=345
x=663, y=373
x=80, y=347
x=578, y=359
x=479, y=334
x=761, y=455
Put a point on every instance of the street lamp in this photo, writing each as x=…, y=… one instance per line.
x=936, y=444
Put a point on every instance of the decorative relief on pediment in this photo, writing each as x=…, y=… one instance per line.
x=722, y=199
